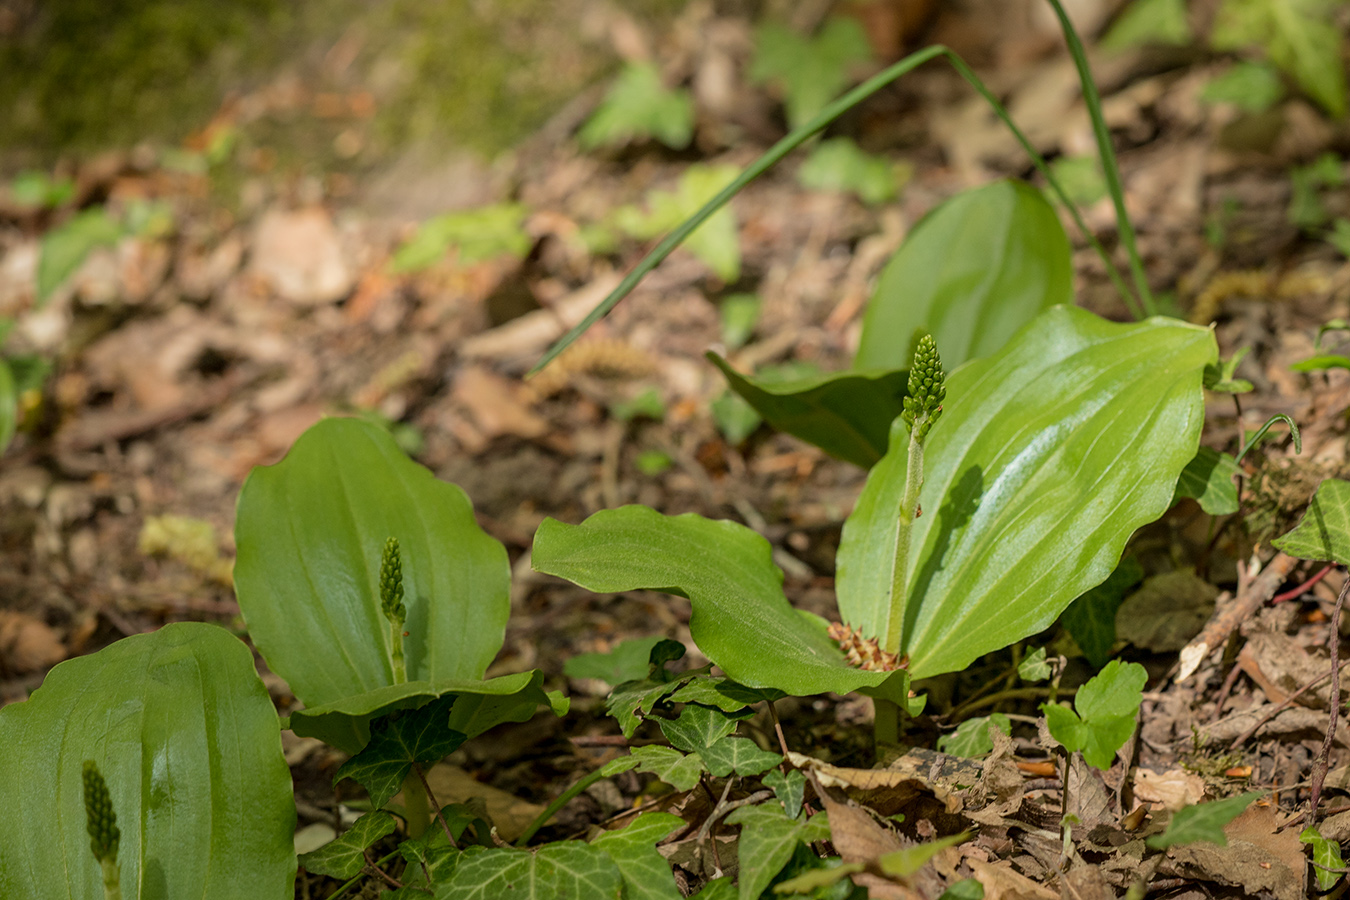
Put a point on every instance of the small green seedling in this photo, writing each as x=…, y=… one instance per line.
x=1252, y=87
x=716, y=242
x=638, y=107
x=1326, y=857
x=475, y=235
x=811, y=71
x=838, y=164
x=971, y=738
x=1107, y=707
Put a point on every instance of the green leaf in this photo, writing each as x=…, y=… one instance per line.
x=186, y=738
x=1149, y=22
x=1339, y=236
x=741, y=619
x=811, y=71
x=1221, y=377
x=344, y=856
x=1306, y=207
x=647, y=404
x=739, y=755
x=1325, y=853
x=740, y=315
x=1203, y=822
x=699, y=727
x=838, y=164
x=1252, y=87
x=768, y=839
x=1208, y=478
x=1324, y=532
x=1034, y=667
x=630, y=701
x=640, y=106
x=813, y=880
x=1107, y=707
x=566, y=870
x=477, y=234
x=65, y=247
x=971, y=738
x=904, y=863
x=628, y=661
x=1081, y=177
x=846, y=414
x=735, y=418
x=790, y=789
x=646, y=874
x=310, y=531
x=1091, y=619
x=670, y=765
x=1321, y=362
x=1048, y=457
x=722, y=693
x=397, y=741
x=9, y=405
x=965, y=889
x=971, y=272
x=1301, y=37
x=716, y=241
x=718, y=889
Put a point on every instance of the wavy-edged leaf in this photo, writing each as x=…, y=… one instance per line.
x=310, y=531
x=971, y=272
x=768, y=839
x=1048, y=456
x=676, y=769
x=1324, y=532
x=1208, y=478
x=846, y=414
x=566, y=870
x=344, y=856
x=741, y=620
x=397, y=741
x=698, y=727
x=739, y=755
x=646, y=874
x=186, y=737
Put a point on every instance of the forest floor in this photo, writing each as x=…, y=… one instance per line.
x=204, y=346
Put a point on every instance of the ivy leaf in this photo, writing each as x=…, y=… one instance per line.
x=1107, y=707
x=1203, y=822
x=723, y=693
x=718, y=889
x=1034, y=667
x=699, y=727
x=638, y=106
x=811, y=71
x=768, y=839
x=670, y=765
x=838, y=164
x=646, y=874
x=739, y=755
x=1091, y=619
x=477, y=234
x=790, y=789
x=432, y=860
x=344, y=856
x=396, y=742
x=1324, y=532
x=1208, y=478
x=1300, y=36
x=971, y=738
x=628, y=661
x=1325, y=853
x=567, y=870
x=716, y=241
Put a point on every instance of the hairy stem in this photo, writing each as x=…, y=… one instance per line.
x=415, y=805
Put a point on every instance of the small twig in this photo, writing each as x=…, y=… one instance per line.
x=351, y=882
x=1226, y=688
x=1319, y=773
x=372, y=869
x=435, y=804
x=1304, y=587
x=717, y=811
x=1252, y=593
x=1280, y=707
x=778, y=730
x=724, y=808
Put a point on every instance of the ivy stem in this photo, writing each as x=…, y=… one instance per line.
x=415, y=805
x=559, y=802
x=895, y=621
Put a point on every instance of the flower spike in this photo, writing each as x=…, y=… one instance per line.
x=927, y=388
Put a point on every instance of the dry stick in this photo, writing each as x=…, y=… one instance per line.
x=435, y=804
x=1319, y=774
x=1281, y=707
x=778, y=730
x=1304, y=587
x=1252, y=594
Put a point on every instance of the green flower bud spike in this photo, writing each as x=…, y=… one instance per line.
x=927, y=389
x=103, y=832
x=391, y=604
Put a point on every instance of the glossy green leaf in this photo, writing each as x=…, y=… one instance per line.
x=186, y=738
x=1047, y=458
x=768, y=839
x=698, y=727
x=722, y=693
x=676, y=769
x=790, y=789
x=1222, y=376
x=344, y=856
x=741, y=620
x=646, y=874
x=639, y=105
x=397, y=741
x=566, y=870
x=1107, y=707
x=971, y=272
x=718, y=889
x=628, y=661
x=1325, y=853
x=1091, y=619
x=739, y=755
x=1321, y=363
x=846, y=414
x=1208, y=479
x=310, y=530
x=64, y=248
x=1203, y=822
x=971, y=738
x=838, y=164
x=632, y=701
x=1324, y=532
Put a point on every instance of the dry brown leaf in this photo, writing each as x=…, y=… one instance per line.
x=509, y=813
x=1001, y=882
x=27, y=644
x=1085, y=883
x=901, y=781
x=1171, y=790
x=496, y=404
x=300, y=256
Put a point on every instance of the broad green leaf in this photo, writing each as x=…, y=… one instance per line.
x=670, y=765
x=566, y=870
x=846, y=414
x=397, y=741
x=1301, y=37
x=1252, y=87
x=1047, y=458
x=1203, y=822
x=1149, y=22
x=344, y=856
x=480, y=705
x=723, y=693
x=768, y=839
x=628, y=661
x=790, y=789
x=838, y=164
x=1325, y=853
x=646, y=874
x=186, y=737
x=698, y=727
x=1208, y=478
x=640, y=106
x=1324, y=532
x=971, y=738
x=9, y=405
x=1107, y=707
x=812, y=71
x=971, y=272
x=310, y=530
x=65, y=247
x=741, y=620
x=716, y=241
x=477, y=235
x=739, y=755
x=1091, y=619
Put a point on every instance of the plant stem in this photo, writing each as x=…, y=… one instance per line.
x=416, y=805
x=885, y=723
x=396, y=652
x=895, y=621
x=112, y=879
x=559, y=802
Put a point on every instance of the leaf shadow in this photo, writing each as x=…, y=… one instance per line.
x=960, y=504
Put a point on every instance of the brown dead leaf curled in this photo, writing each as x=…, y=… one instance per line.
x=1170, y=790
x=27, y=644
x=904, y=779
